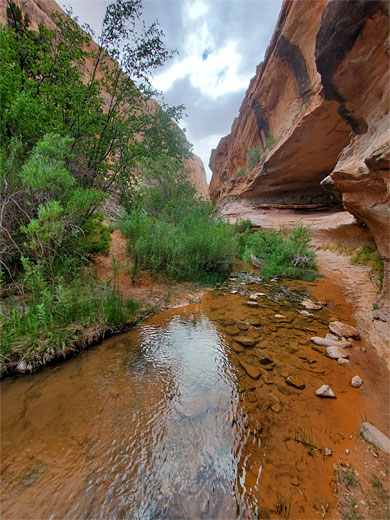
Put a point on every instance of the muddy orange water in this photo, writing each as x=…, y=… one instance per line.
x=165, y=422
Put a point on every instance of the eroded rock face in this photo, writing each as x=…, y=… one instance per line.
x=299, y=133
x=39, y=11
x=320, y=103
x=353, y=60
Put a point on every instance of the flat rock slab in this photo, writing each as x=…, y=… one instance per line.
x=233, y=330
x=295, y=382
x=327, y=342
x=252, y=371
x=251, y=303
x=325, y=391
x=237, y=348
x=336, y=352
x=247, y=342
x=343, y=361
x=255, y=322
x=280, y=316
x=311, y=306
x=343, y=330
x=375, y=436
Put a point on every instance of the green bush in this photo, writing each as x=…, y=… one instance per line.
x=284, y=253
x=253, y=157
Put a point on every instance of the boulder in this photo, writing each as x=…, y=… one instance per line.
x=325, y=391
x=375, y=436
x=343, y=330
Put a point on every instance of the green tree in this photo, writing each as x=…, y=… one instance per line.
x=69, y=139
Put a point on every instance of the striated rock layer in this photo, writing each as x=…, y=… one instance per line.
x=39, y=11
x=318, y=111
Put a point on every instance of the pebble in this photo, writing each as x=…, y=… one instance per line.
x=251, y=303
x=356, y=381
x=306, y=313
x=276, y=408
x=22, y=366
x=234, y=291
x=325, y=391
x=311, y=306
x=343, y=330
x=324, y=342
x=237, y=348
x=347, y=452
x=253, y=296
x=343, y=361
x=232, y=330
x=328, y=452
x=336, y=352
x=279, y=316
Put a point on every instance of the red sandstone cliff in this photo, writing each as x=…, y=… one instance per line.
x=320, y=100
x=39, y=11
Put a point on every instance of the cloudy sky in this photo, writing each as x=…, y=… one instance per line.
x=220, y=43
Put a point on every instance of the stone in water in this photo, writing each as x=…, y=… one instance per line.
x=343, y=330
x=356, y=381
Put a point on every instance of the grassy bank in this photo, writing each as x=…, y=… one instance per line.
x=53, y=320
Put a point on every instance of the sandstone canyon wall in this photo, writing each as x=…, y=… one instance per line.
x=318, y=110
x=39, y=11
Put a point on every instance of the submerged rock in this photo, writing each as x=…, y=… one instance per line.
x=375, y=436
x=336, y=352
x=306, y=313
x=237, y=348
x=343, y=361
x=356, y=381
x=343, y=330
x=280, y=316
x=247, y=342
x=252, y=371
x=251, y=303
x=325, y=391
x=327, y=342
x=311, y=306
x=295, y=382
x=232, y=330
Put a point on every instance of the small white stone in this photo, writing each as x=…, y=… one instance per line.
x=22, y=366
x=336, y=352
x=347, y=452
x=343, y=361
x=234, y=291
x=306, y=313
x=325, y=391
x=328, y=452
x=356, y=381
x=280, y=316
x=253, y=296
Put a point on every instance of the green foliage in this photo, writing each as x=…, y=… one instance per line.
x=55, y=315
x=241, y=173
x=173, y=233
x=253, y=157
x=67, y=140
x=284, y=253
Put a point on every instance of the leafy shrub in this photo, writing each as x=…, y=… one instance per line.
x=253, y=157
x=241, y=173
x=284, y=253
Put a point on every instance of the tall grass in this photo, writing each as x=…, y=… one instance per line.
x=284, y=253
x=52, y=317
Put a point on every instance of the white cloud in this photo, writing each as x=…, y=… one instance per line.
x=213, y=70
x=196, y=9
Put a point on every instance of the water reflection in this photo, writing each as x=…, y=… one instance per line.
x=168, y=422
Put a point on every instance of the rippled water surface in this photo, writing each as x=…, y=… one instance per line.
x=166, y=422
